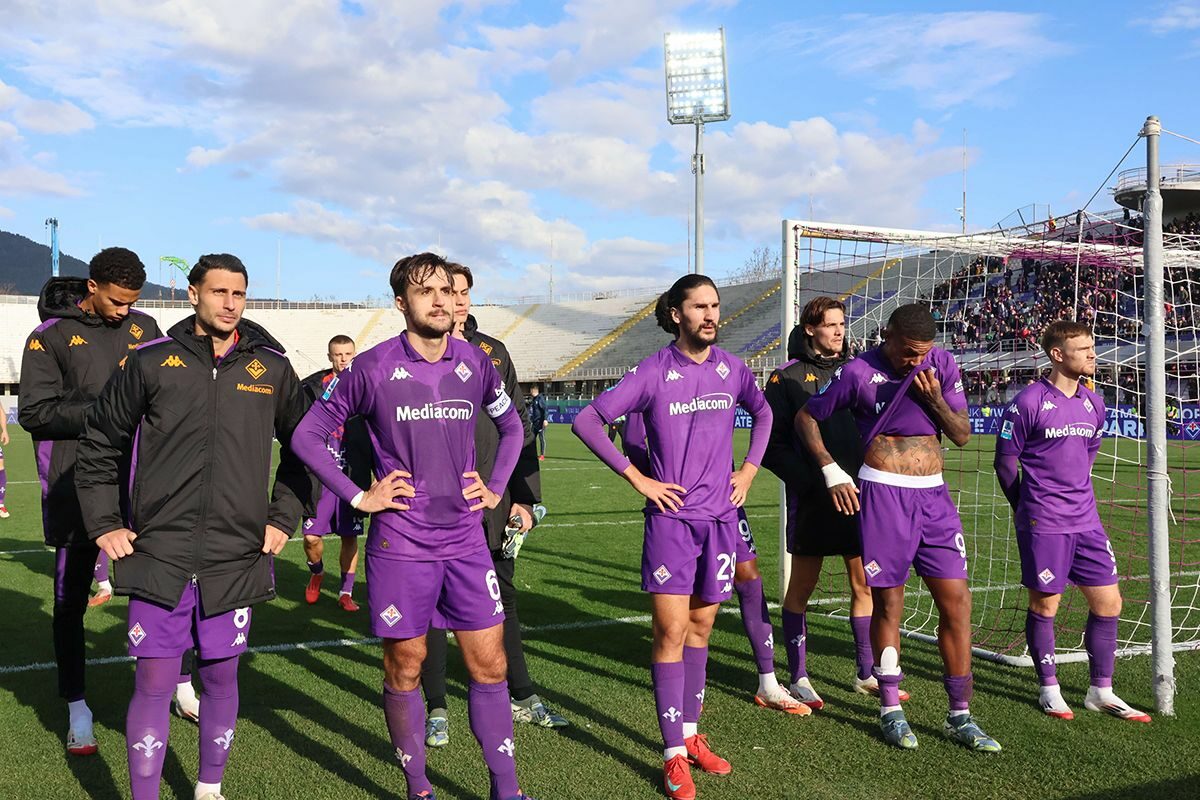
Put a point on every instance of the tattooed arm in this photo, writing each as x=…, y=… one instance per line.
x=955, y=423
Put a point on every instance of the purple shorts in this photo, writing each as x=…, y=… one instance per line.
x=905, y=527
x=406, y=597
x=159, y=632
x=689, y=556
x=746, y=551
x=1050, y=560
x=334, y=515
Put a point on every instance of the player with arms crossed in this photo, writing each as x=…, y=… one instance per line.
x=420, y=394
x=1053, y=430
x=689, y=393
x=200, y=406
x=815, y=529
x=351, y=450
x=904, y=395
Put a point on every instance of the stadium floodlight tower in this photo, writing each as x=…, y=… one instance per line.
x=697, y=92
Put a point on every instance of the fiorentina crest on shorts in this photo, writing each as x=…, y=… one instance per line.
x=391, y=616
x=873, y=568
x=723, y=370
x=462, y=371
x=1045, y=576
x=662, y=574
x=137, y=633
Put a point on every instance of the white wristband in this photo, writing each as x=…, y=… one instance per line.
x=835, y=475
x=358, y=498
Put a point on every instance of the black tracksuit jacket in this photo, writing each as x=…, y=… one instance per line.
x=525, y=485
x=202, y=432
x=65, y=364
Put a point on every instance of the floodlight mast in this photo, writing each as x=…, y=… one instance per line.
x=697, y=92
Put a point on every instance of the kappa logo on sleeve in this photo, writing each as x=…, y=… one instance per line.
x=36, y=344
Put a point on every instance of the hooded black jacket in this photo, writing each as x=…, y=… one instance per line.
x=203, y=435
x=525, y=485
x=787, y=390
x=356, y=442
x=66, y=362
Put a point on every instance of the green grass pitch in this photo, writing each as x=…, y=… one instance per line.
x=311, y=725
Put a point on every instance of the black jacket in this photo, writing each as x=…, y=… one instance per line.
x=203, y=433
x=787, y=390
x=66, y=362
x=537, y=412
x=525, y=485
x=356, y=441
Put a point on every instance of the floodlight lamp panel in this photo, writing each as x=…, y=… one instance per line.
x=696, y=77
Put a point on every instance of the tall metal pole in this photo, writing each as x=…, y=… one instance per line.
x=1157, y=480
x=53, y=223
x=698, y=171
x=790, y=291
x=964, y=206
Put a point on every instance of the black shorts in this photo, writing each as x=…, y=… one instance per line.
x=816, y=528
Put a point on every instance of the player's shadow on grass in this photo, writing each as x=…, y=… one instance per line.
x=38, y=690
x=266, y=700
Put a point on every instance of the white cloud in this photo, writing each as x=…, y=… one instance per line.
x=7, y=212
x=1174, y=18
x=946, y=58
x=45, y=116
x=25, y=179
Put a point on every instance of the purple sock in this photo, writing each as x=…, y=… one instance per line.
x=756, y=619
x=219, y=719
x=148, y=722
x=1039, y=635
x=863, y=654
x=490, y=710
x=317, y=568
x=795, y=630
x=100, y=572
x=889, y=687
x=1100, y=640
x=405, y=715
x=3, y=484
x=695, y=675
x=347, y=582
x=960, y=689
x=668, y=679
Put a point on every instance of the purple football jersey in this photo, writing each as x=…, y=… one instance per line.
x=689, y=410
x=421, y=419
x=1056, y=439
x=867, y=384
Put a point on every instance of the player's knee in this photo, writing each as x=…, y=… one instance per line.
x=746, y=571
x=669, y=635
x=402, y=669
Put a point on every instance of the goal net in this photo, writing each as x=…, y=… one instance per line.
x=992, y=294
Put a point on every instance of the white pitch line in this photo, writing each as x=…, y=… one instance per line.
x=328, y=644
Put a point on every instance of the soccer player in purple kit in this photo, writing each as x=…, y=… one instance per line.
x=688, y=392
x=350, y=449
x=420, y=394
x=1052, y=430
x=3, y=475
x=904, y=395
x=747, y=582
x=200, y=407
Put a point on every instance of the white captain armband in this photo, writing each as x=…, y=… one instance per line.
x=499, y=405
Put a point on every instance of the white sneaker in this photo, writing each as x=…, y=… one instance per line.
x=4, y=512
x=870, y=685
x=780, y=699
x=803, y=691
x=82, y=742
x=186, y=705
x=1052, y=704
x=1106, y=701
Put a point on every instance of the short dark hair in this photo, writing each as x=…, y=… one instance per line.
x=341, y=338
x=118, y=266
x=913, y=322
x=1057, y=333
x=414, y=269
x=674, y=297
x=461, y=269
x=212, y=261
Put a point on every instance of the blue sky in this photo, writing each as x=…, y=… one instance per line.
x=516, y=135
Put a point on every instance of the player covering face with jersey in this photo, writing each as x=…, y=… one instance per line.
x=687, y=394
